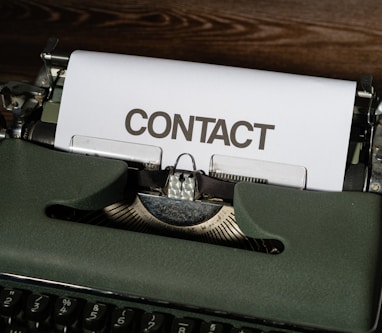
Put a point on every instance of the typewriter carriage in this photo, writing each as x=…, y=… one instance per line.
x=35, y=111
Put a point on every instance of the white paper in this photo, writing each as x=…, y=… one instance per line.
x=268, y=116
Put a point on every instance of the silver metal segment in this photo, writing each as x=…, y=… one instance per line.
x=237, y=178
x=245, y=169
x=21, y=99
x=182, y=184
x=3, y=133
x=149, y=156
x=54, y=284
x=373, y=174
x=375, y=184
x=204, y=221
x=52, y=60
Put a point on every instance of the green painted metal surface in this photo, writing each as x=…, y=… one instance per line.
x=327, y=277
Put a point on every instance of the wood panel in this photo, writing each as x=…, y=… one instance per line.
x=340, y=39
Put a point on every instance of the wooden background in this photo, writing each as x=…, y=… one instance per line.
x=339, y=39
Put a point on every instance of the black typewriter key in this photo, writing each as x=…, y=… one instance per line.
x=10, y=302
x=37, y=307
x=212, y=328
x=66, y=312
x=94, y=317
x=122, y=320
x=183, y=325
x=153, y=322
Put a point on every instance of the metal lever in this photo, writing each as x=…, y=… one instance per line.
x=21, y=99
x=182, y=184
x=52, y=60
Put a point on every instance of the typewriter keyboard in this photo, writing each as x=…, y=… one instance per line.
x=38, y=307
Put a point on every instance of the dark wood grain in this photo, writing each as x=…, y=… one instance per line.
x=339, y=39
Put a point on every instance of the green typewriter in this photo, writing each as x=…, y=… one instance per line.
x=104, y=237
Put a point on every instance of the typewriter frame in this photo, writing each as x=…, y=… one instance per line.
x=331, y=257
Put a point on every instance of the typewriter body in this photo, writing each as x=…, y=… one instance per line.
x=110, y=244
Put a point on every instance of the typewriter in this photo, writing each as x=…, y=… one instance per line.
x=101, y=236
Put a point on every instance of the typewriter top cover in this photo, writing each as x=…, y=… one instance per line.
x=261, y=253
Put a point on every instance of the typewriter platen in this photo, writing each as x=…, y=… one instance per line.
x=178, y=249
